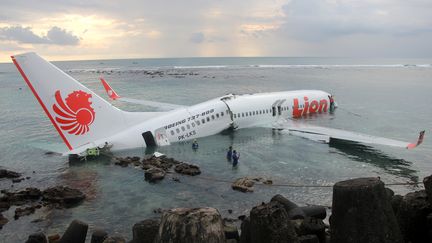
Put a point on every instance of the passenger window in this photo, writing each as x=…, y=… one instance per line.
x=188, y=126
x=183, y=128
x=217, y=115
x=213, y=117
x=250, y=113
x=193, y=124
x=235, y=116
x=178, y=130
x=198, y=122
x=208, y=119
x=222, y=114
x=203, y=121
x=243, y=114
x=172, y=132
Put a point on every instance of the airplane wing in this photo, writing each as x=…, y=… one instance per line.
x=159, y=105
x=324, y=134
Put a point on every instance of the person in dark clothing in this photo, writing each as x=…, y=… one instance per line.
x=235, y=158
x=332, y=104
x=229, y=154
x=195, y=145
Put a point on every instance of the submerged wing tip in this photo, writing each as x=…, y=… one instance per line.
x=419, y=140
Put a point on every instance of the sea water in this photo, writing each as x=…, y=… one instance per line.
x=384, y=97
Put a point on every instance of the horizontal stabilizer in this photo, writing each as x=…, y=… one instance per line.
x=159, y=105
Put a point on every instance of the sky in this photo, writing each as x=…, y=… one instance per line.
x=82, y=30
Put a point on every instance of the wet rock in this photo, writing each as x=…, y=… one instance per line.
x=270, y=223
x=412, y=216
x=154, y=174
x=114, y=239
x=145, y=231
x=99, y=236
x=361, y=212
x=191, y=225
x=17, y=180
x=187, y=169
x=4, y=206
x=245, y=236
x=21, y=197
x=318, y=212
x=9, y=174
x=54, y=238
x=231, y=232
x=309, y=239
x=63, y=196
x=75, y=233
x=19, y=212
x=124, y=162
x=161, y=162
x=243, y=184
x=37, y=238
x=427, y=181
x=294, y=212
x=313, y=226
x=3, y=221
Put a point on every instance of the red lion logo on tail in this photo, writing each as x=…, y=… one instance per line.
x=76, y=115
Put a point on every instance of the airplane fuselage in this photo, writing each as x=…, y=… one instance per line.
x=216, y=115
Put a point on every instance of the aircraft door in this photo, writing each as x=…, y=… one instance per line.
x=149, y=139
x=161, y=137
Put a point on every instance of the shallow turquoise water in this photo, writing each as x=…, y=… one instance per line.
x=378, y=97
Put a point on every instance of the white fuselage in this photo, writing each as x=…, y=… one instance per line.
x=214, y=116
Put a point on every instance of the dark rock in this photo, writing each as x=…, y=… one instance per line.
x=396, y=202
x=21, y=197
x=99, y=236
x=287, y=204
x=390, y=193
x=269, y=223
x=154, y=174
x=19, y=212
x=158, y=210
x=63, y=196
x=309, y=239
x=4, y=206
x=176, y=179
x=313, y=226
x=37, y=238
x=362, y=213
x=427, y=181
x=3, y=221
x=17, y=180
x=230, y=211
x=318, y=212
x=9, y=174
x=114, y=239
x=161, y=162
x=429, y=227
x=231, y=232
x=245, y=236
x=53, y=238
x=242, y=217
x=412, y=216
x=296, y=213
x=75, y=233
x=187, y=169
x=191, y=225
x=145, y=231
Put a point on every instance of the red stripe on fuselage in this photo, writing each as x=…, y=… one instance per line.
x=41, y=103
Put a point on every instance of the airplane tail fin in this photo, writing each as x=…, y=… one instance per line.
x=79, y=115
x=419, y=141
x=110, y=91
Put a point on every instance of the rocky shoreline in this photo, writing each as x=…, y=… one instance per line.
x=363, y=210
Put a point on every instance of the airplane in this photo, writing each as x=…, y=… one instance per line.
x=84, y=120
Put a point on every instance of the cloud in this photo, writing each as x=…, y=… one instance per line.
x=61, y=37
x=322, y=20
x=197, y=37
x=55, y=35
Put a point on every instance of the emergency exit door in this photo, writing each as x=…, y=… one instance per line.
x=149, y=139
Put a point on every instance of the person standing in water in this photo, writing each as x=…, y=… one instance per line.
x=235, y=158
x=195, y=145
x=229, y=154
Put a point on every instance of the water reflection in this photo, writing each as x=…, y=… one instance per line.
x=367, y=154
